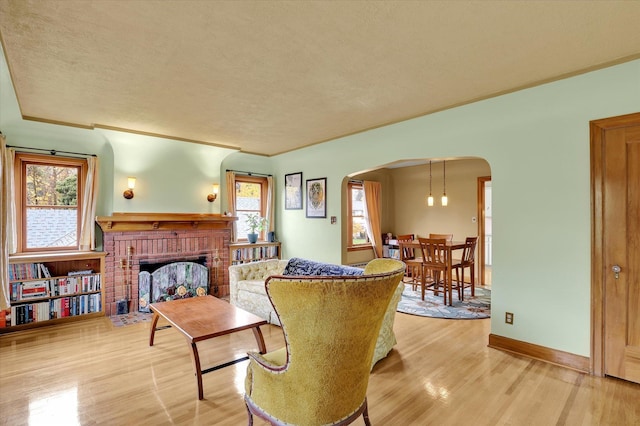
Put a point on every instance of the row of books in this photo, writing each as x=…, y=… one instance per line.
x=28, y=271
x=252, y=253
x=393, y=253
x=54, y=287
x=52, y=309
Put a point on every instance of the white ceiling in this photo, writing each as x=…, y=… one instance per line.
x=271, y=76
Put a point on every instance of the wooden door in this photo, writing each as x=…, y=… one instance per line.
x=616, y=244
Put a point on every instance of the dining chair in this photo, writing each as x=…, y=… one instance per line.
x=467, y=261
x=407, y=255
x=448, y=237
x=435, y=261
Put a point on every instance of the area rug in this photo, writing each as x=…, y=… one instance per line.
x=130, y=318
x=476, y=307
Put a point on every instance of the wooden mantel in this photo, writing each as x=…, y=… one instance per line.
x=126, y=222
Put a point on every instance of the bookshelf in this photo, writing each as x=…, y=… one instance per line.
x=247, y=252
x=51, y=288
x=391, y=249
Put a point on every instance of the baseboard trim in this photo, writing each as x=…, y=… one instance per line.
x=542, y=353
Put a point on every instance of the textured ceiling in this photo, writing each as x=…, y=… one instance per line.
x=271, y=76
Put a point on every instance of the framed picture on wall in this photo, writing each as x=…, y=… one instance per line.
x=293, y=191
x=317, y=198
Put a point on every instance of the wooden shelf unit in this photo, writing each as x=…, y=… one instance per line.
x=80, y=291
x=391, y=249
x=248, y=252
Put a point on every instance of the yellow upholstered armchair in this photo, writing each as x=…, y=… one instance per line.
x=331, y=324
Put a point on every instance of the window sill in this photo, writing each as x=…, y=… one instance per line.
x=360, y=248
x=39, y=252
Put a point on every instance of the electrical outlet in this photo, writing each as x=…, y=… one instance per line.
x=508, y=317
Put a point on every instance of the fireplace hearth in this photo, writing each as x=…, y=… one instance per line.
x=136, y=242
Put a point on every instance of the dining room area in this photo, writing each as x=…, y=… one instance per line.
x=436, y=218
x=432, y=265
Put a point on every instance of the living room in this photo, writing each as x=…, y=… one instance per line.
x=535, y=141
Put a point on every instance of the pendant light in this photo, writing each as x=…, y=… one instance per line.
x=445, y=200
x=430, y=197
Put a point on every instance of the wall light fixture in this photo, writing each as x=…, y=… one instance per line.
x=430, y=197
x=212, y=197
x=131, y=183
x=445, y=200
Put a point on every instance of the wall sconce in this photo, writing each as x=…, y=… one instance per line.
x=131, y=183
x=445, y=200
x=212, y=197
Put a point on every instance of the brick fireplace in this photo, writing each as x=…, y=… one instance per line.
x=134, y=238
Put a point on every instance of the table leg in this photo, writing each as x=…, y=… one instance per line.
x=258, y=335
x=154, y=322
x=198, y=370
x=448, y=285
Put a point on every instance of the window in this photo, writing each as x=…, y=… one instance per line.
x=357, y=227
x=251, y=198
x=48, y=195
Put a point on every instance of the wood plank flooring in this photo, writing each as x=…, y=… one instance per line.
x=441, y=372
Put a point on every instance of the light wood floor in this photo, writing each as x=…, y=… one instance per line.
x=440, y=373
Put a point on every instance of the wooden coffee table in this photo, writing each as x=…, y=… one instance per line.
x=206, y=317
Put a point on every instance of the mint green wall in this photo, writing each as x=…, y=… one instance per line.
x=170, y=176
x=536, y=142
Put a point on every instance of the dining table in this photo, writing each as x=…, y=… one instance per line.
x=450, y=247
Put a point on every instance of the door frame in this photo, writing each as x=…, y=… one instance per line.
x=481, y=231
x=597, y=147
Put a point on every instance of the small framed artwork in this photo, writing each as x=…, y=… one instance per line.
x=317, y=198
x=293, y=191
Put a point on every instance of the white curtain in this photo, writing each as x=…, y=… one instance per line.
x=87, y=238
x=8, y=236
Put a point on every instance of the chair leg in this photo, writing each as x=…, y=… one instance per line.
x=365, y=414
x=460, y=284
x=472, y=268
x=445, y=285
x=250, y=422
x=414, y=277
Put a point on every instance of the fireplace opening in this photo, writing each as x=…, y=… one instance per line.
x=170, y=280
